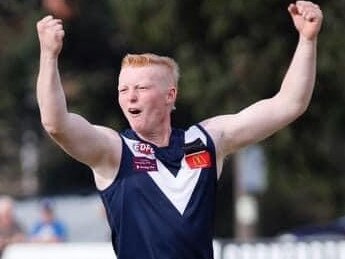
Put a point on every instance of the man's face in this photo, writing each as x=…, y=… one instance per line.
x=146, y=95
x=47, y=215
x=6, y=214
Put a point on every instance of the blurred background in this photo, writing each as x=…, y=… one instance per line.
x=231, y=53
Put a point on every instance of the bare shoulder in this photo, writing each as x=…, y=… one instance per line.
x=219, y=129
x=112, y=141
x=105, y=171
x=108, y=132
x=218, y=125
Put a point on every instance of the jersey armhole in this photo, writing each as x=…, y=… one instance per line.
x=208, y=137
x=213, y=148
x=118, y=174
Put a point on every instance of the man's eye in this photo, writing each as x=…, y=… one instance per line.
x=122, y=90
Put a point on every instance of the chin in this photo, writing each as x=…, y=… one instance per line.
x=137, y=127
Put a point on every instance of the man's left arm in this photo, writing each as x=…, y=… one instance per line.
x=262, y=119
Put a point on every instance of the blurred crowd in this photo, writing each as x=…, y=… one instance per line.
x=46, y=229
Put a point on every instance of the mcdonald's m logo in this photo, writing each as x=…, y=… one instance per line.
x=200, y=159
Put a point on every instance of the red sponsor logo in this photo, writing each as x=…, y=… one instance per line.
x=200, y=159
x=143, y=148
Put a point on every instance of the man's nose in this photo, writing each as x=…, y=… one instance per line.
x=133, y=95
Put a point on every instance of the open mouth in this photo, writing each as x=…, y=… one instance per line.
x=134, y=111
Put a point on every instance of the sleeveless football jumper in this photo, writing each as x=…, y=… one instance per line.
x=161, y=204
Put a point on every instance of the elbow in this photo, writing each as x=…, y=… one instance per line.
x=298, y=110
x=302, y=107
x=52, y=128
x=293, y=108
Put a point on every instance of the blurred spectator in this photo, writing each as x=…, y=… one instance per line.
x=10, y=230
x=48, y=229
x=63, y=9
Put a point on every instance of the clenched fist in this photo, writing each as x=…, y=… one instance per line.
x=50, y=33
x=307, y=18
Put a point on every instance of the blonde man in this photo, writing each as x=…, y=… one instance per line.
x=158, y=183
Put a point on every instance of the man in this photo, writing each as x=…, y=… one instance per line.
x=10, y=230
x=48, y=228
x=158, y=183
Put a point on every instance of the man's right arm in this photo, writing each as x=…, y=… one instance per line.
x=96, y=146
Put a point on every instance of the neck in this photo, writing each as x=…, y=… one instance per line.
x=159, y=137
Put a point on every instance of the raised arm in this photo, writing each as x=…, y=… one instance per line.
x=96, y=146
x=260, y=120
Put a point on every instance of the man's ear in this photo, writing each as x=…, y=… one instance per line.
x=171, y=96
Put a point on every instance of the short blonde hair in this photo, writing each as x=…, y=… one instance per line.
x=146, y=59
